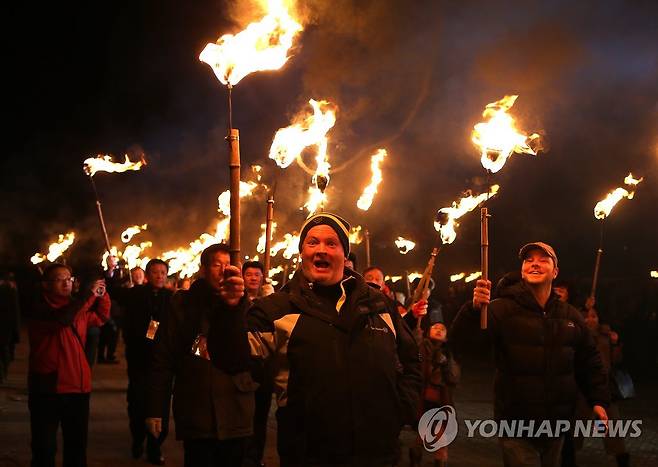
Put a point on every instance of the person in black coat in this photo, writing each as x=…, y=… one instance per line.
x=213, y=404
x=347, y=368
x=146, y=306
x=543, y=354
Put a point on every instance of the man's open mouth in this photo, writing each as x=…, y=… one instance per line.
x=321, y=264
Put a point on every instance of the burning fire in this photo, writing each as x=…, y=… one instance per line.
x=355, y=235
x=654, y=274
x=289, y=245
x=308, y=130
x=257, y=169
x=498, y=138
x=224, y=200
x=604, y=207
x=404, y=245
x=130, y=232
x=414, y=275
x=472, y=276
x=365, y=200
x=316, y=199
x=457, y=277
x=186, y=261
x=261, y=46
x=56, y=249
x=392, y=279
x=131, y=255
x=260, y=248
x=105, y=164
x=448, y=216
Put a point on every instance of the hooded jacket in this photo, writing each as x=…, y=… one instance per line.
x=57, y=336
x=542, y=355
x=209, y=402
x=346, y=377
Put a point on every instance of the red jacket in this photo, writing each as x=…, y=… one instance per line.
x=57, y=356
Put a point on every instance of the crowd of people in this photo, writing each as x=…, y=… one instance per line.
x=348, y=361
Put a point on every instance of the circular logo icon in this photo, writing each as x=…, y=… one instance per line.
x=438, y=427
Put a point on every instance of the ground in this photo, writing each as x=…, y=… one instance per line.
x=109, y=438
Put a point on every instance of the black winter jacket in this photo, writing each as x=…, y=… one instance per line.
x=347, y=378
x=542, y=356
x=142, y=304
x=209, y=402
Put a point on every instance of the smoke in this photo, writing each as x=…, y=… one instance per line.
x=410, y=77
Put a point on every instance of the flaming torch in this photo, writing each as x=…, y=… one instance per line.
x=498, y=139
x=263, y=45
x=446, y=222
x=130, y=232
x=365, y=200
x=104, y=164
x=404, y=245
x=306, y=131
x=56, y=249
x=602, y=211
x=269, y=224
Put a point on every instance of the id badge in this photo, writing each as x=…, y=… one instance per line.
x=200, y=347
x=152, y=329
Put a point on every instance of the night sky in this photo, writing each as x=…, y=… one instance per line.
x=411, y=77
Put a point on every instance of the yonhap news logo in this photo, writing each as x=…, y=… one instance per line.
x=438, y=428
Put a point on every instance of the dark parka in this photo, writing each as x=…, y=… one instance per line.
x=346, y=380
x=542, y=356
x=209, y=402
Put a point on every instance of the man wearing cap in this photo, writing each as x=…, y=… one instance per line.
x=543, y=355
x=347, y=369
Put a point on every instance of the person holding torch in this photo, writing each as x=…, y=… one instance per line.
x=544, y=354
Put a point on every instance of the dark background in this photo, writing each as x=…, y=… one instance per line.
x=412, y=77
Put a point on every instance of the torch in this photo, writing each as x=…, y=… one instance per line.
x=261, y=46
x=602, y=211
x=269, y=218
x=421, y=292
x=497, y=139
x=104, y=164
x=367, y=196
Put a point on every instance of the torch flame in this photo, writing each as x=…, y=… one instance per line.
x=261, y=46
x=224, y=200
x=414, y=275
x=604, y=207
x=56, y=249
x=472, y=276
x=355, y=236
x=104, y=164
x=186, y=261
x=316, y=199
x=497, y=138
x=404, y=245
x=130, y=232
x=365, y=200
x=393, y=279
x=457, y=277
x=457, y=210
x=654, y=274
x=289, y=245
x=310, y=130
